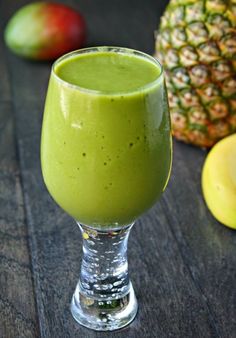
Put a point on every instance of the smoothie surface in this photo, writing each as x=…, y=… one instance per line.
x=107, y=71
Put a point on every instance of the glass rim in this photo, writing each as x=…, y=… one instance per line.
x=114, y=49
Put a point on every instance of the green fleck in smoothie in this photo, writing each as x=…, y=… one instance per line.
x=106, y=141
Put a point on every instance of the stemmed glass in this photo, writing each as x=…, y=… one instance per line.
x=106, y=159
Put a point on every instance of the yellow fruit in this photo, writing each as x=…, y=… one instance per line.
x=219, y=181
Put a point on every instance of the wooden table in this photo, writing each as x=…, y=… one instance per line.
x=182, y=261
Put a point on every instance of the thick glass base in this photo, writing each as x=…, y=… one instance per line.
x=104, y=315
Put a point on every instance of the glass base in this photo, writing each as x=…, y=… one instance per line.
x=104, y=315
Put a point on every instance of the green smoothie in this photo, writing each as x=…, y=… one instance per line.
x=106, y=141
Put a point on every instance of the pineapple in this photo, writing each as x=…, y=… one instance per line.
x=196, y=43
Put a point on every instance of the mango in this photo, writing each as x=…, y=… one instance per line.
x=45, y=31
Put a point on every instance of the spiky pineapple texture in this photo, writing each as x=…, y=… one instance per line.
x=196, y=43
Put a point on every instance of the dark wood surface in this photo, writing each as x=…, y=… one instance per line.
x=182, y=261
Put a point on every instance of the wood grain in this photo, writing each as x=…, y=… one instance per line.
x=207, y=247
x=5, y=92
x=182, y=262
x=18, y=316
x=17, y=305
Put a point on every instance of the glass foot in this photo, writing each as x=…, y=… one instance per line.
x=104, y=315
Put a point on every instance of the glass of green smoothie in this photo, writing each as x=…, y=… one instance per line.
x=106, y=153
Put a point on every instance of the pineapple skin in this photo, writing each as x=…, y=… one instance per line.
x=196, y=44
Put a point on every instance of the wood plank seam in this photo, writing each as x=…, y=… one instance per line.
x=17, y=153
x=32, y=262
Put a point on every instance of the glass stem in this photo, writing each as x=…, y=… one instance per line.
x=104, y=268
x=104, y=290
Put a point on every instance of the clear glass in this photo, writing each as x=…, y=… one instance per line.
x=106, y=159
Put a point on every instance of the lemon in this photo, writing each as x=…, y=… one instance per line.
x=219, y=181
